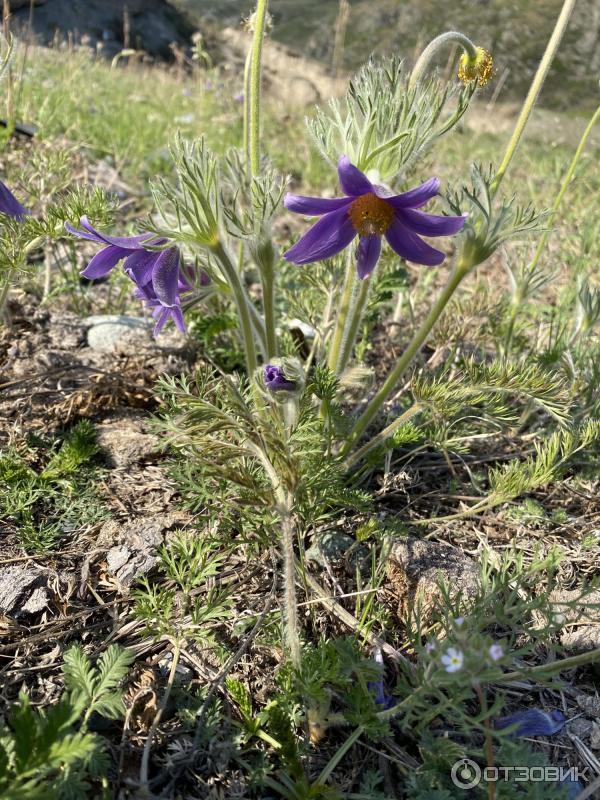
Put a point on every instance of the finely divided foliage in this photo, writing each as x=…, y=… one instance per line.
x=314, y=412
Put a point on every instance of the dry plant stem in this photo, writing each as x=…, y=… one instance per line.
x=4, y=312
x=346, y=617
x=534, y=90
x=411, y=351
x=144, y=787
x=489, y=747
x=260, y=16
x=432, y=48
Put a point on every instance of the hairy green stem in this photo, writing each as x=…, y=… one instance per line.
x=411, y=351
x=247, y=109
x=534, y=90
x=260, y=16
x=289, y=573
x=563, y=663
x=242, y=303
x=426, y=57
x=345, y=303
x=353, y=323
x=268, y=292
x=381, y=437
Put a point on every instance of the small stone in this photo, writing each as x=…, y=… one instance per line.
x=589, y=703
x=17, y=584
x=123, y=443
x=416, y=566
x=581, y=727
x=329, y=547
x=116, y=558
x=595, y=737
x=111, y=332
x=581, y=639
x=38, y=600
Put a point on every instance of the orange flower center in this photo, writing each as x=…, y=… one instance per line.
x=370, y=215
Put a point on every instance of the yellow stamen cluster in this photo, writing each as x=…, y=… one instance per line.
x=478, y=68
x=370, y=215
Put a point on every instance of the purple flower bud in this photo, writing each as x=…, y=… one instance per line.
x=276, y=381
x=9, y=204
x=532, y=722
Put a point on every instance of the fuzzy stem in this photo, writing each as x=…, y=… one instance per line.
x=353, y=324
x=247, y=109
x=289, y=573
x=556, y=666
x=436, y=44
x=345, y=302
x=534, y=90
x=4, y=313
x=411, y=351
x=381, y=437
x=156, y=721
x=268, y=291
x=242, y=304
x=260, y=16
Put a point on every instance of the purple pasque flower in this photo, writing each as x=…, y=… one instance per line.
x=144, y=266
x=9, y=204
x=370, y=211
x=163, y=313
x=532, y=722
x=276, y=381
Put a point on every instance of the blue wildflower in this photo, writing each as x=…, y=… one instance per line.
x=532, y=722
x=9, y=204
x=370, y=211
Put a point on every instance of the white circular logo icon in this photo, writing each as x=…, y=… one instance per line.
x=465, y=774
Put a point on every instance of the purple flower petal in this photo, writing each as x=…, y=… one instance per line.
x=165, y=276
x=162, y=317
x=416, y=197
x=9, y=204
x=369, y=248
x=127, y=242
x=430, y=224
x=276, y=381
x=352, y=180
x=408, y=245
x=532, y=722
x=314, y=206
x=139, y=265
x=102, y=263
x=328, y=236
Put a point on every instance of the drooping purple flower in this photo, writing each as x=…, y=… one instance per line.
x=276, y=381
x=9, y=204
x=370, y=211
x=532, y=722
x=377, y=687
x=162, y=313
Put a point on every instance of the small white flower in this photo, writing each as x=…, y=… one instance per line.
x=495, y=652
x=453, y=659
x=459, y=621
x=430, y=647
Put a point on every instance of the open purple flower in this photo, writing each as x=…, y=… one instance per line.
x=144, y=266
x=276, y=381
x=369, y=211
x=9, y=204
x=532, y=722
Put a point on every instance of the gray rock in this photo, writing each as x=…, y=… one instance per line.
x=330, y=546
x=38, y=600
x=111, y=332
x=20, y=589
x=416, y=566
x=123, y=443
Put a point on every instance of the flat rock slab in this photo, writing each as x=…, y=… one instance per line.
x=22, y=590
x=124, y=442
x=131, y=546
x=416, y=566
